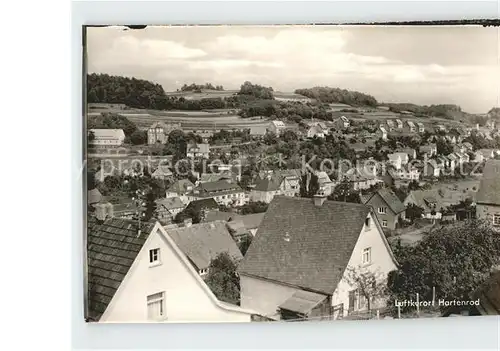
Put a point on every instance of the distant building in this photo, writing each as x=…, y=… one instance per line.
x=387, y=207
x=382, y=133
x=258, y=132
x=488, y=195
x=180, y=188
x=342, y=122
x=162, y=172
x=390, y=125
x=107, y=137
x=399, y=124
x=411, y=127
x=270, y=184
x=198, y=151
x=168, y=208
x=316, y=131
x=224, y=193
x=277, y=127
x=421, y=127
x=429, y=201
x=303, y=255
x=398, y=159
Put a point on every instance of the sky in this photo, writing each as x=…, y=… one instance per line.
x=423, y=65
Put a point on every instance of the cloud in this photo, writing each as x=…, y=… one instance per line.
x=289, y=58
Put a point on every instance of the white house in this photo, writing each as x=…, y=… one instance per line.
x=198, y=151
x=390, y=125
x=342, y=122
x=107, y=137
x=181, y=189
x=223, y=192
x=399, y=124
x=411, y=127
x=277, y=127
x=317, y=242
x=383, y=133
x=315, y=131
x=398, y=159
x=142, y=276
x=421, y=127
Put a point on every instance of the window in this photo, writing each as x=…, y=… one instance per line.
x=384, y=223
x=154, y=256
x=382, y=210
x=203, y=271
x=156, y=306
x=367, y=255
x=367, y=223
x=496, y=220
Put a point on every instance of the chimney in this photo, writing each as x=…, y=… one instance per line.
x=188, y=222
x=319, y=198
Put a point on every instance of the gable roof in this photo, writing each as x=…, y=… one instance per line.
x=202, y=242
x=258, y=130
x=219, y=185
x=390, y=199
x=268, y=184
x=489, y=186
x=250, y=221
x=170, y=203
x=108, y=133
x=204, y=148
x=112, y=247
x=162, y=171
x=198, y=205
x=321, y=241
x=180, y=186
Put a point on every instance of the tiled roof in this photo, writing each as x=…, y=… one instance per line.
x=489, y=187
x=391, y=199
x=112, y=247
x=180, y=186
x=250, y=221
x=108, y=133
x=258, y=130
x=302, y=302
x=202, y=242
x=198, y=205
x=162, y=171
x=305, y=245
x=170, y=203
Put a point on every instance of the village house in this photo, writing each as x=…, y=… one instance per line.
x=404, y=175
x=159, y=131
x=277, y=127
x=198, y=151
x=316, y=131
x=224, y=193
x=399, y=124
x=429, y=150
x=488, y=195
x=168, y=208
x=163, y=173
x=299, y=265
x=269, y=184
x=107, y=137
x=141, y=275
x=412, y=153
x=180, y=189
x=421, y=127
x=387, y=207
x=381, y=133
x=203, y=242
x=325, y=182
x=258, y=132
x=226, y=175
x=468, y=146
x=390, y=125
x=411, y=127
x=428, y=200
x=485, y=154
x=342, y=123
x=362, y=178
x=432, y=169
x=398, y=159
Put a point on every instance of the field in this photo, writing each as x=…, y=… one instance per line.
x=205, y=94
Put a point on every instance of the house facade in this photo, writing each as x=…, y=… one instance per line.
x=223, y=192
x=488, y=195
x=107, y=137
x=155, y=283
x=387, y=207
x=198, y=151
x=277, y=127
x=311, y=278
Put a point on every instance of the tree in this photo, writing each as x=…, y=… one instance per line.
x=289, y=136
x=413, y=212
x=444, y=147
x=151, y=209
x=345, y=192
x=139, y=137
x=90, y=136
x=309, y=185
x=454, y=260
x=244, y=244
x=223, y=279
x=253, y=207
x=371, y=284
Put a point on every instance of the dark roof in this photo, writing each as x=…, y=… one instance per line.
x=320, y=242
x=250, y=221
x=489, y=187
x=93, y=196
x=170, y=203
x=112, y=247
x=181, y=186
x=202, y=242
x=220, y=185
x=391, y=199
x=268, y=184
x=208, y=204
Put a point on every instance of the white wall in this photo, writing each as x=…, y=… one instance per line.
x=263, y=296
x=186, y=300
x=381, y=262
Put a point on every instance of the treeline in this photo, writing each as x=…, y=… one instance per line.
x=257, y=91
x=447, y=111
x=339, y=96
x=199, y=87
x=294, y=111
x=494, y=113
